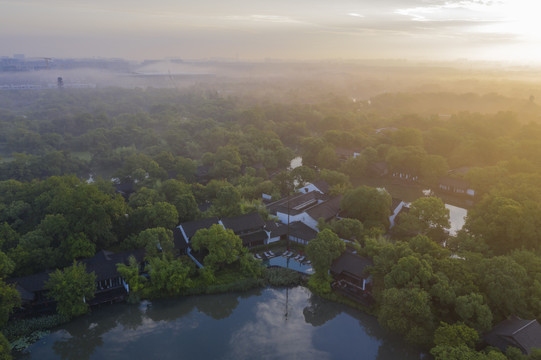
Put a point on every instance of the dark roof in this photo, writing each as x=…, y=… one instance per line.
x=327, y=209
x=394, y=204
x=103, y=264
x=523, y=334
x=126, y=188
x=379, y=168
x=298, y=203
x=191, y=227
x=462, y=170
x=243, y=223
x=178, y=239
x=301, y=231
x=322, y=185
x=454, y=182
x=276, y=229
x=352, y=264
x=258, y=236
x=203, y=171
x=204, y=206
x=31, y=283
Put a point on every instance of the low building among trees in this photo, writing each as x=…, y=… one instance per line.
x=349, y=272
x=522, y=334
x=456, y=186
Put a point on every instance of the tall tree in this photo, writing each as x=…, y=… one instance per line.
x=223, y=245
x=326, y=247
x=71, y=288
x=372, y=206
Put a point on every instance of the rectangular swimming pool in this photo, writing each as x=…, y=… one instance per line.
x=289, y=264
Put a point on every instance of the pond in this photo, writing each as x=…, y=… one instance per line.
x=271, y=323
x=457, y=218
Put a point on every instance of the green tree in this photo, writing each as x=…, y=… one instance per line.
x=131, y=274
x=500, y=223
x=407, y=137
x=407, y=312
x=228, y=202
x=472, y=310
x=349, y=229
x=409, y=272
x=322, y=251
x=503, y=282
x=160, y=214
x=427, y=216
x=155, y=240
x=369, y=205
x=77, y=246
x=167, y=277
x=5, y=348
x=455, y=335
x=303, y=175
x=9, y=296
x=71, y=288
x=433, y=168
x=223, y=246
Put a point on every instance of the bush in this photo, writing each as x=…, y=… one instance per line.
x=282, y=277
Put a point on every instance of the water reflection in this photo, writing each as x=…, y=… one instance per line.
x=457, y=218
x=228, y=326
x=319, y=311
x=272, y=335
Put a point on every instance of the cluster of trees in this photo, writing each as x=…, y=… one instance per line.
x=191, y=154
x=420, y=288
x=171, y=276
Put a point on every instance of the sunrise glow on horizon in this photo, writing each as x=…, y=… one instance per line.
x=416, y=29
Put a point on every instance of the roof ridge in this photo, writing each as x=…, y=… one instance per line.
x=523, y=327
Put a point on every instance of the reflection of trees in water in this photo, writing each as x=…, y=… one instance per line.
x=319, y=311
x=87, y=331
x=86, y=335
x=168, y=310
x=392, y=347
x=218, y=306
x=131, y=317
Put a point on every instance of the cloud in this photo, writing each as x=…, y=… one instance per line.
x=259, y=18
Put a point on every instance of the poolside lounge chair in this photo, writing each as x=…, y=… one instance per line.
x=297, y=257
x=301, y=259
x=285, y=253
x=271, y=253
x=267, y=254
x=308, y=262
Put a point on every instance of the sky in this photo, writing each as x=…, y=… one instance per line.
x=494, y=30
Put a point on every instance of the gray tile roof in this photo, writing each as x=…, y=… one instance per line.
x=352, y=264
x=244, y=223
x=522, y=334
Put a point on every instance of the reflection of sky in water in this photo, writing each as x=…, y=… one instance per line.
x=456, y=218
x=227, y=326
x=270, y=336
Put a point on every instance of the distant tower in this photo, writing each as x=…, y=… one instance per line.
x=60, y=82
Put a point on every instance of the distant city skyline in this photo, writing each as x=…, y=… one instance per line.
x=495, y=30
